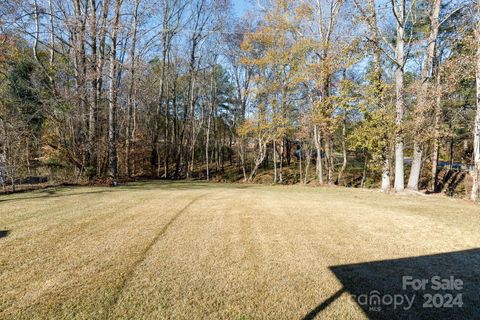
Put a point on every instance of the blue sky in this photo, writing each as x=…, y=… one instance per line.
x=240, y=6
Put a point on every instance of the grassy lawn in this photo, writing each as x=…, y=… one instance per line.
x=216, y=251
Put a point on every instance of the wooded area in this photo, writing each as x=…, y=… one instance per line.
x=361, y=93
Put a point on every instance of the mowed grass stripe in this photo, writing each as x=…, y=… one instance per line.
x=99, y=245
x=220, y=251
x=144, y=253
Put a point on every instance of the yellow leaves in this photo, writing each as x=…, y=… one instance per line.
x=274, y=42
x=285, y=59
x=283, y=4
x=279, y=59
x=246, y=128
x=323, y=114
x=247, y=44
x=304, y=10
x=347, y=87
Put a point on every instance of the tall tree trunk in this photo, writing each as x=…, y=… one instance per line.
x=81, y=75
x=3, y=155
x=399, y=93
x=317, y=139
x=131, y=91
x=207, y=145
x=100, y=64
x=329, y=159
x=190, y=115
x=436, y=134
x=308, y=160
x=386, y=173
x=166, y=145
x=12, y=174
x=93, y=105
x=288, y=150
x=242, y=159
x=112, y=105
x=344, y=148
x=162, y=105
x=209, y=121
x=274, y=151
x=421, y=108
x=36, y=12
x=476, y=141
x=300, y=168
x=52, y=34
x=262, y=151
x=282, y=151
x=3, y=169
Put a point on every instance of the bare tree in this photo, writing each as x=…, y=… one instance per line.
x=113, y=95
x=131, y=91
x=399, y=12
x=476, y=133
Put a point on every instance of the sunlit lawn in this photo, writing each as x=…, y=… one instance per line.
x=162, y=250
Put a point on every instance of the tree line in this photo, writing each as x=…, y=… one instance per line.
x=368, y=93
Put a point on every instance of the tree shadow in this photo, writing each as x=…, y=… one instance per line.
x=458, y=178
x=384, y=290
x=316, y=311
x=448, y=181
x=4, y=233
x=153, y=185
x=52, y=193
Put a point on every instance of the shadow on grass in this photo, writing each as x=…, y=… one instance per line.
x=135, y=186
x=380, y=290
x=4, y=233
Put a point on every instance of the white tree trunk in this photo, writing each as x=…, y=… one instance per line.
x=262, y=151
x=399, y=101
x=416, y=167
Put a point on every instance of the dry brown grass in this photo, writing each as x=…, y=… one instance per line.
x=213, y=251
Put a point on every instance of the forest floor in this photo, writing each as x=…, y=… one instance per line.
x=181, y=250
